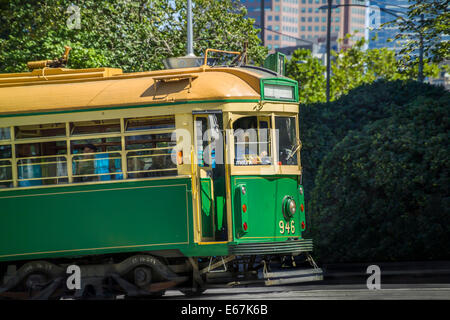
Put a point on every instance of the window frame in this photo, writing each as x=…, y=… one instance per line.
x=69, y=138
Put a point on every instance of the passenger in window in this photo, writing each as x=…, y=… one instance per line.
x=28, y=168
x=105, y=165
x=86, y=165
x=157, y=164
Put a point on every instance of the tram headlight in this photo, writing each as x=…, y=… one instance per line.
x=292, y=206
x=289, y=207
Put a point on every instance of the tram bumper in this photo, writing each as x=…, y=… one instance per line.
x=292, y=276
x=293, y=247
x=289, y=247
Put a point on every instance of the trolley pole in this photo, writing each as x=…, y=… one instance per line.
x=190, y=46
x=330, y=2
x=263, y=22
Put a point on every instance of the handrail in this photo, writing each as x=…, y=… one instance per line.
x=216, y=50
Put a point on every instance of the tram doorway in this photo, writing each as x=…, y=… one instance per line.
x=210, y=167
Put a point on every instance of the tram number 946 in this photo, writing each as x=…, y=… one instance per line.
x=288, y=227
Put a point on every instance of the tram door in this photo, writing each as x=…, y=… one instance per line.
x=209, y=146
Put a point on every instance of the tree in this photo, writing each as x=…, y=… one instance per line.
x=382, y=193
x=133, y=35
x=392, y=131
x=351, y=68
x=425, y=27
x=309, y=72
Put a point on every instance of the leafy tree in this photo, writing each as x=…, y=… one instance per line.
x=351, y=68
x=425, y=27
x=382, y=193
x=133, y=35
x=337, y=155
x=310, y=73
x=322, y=126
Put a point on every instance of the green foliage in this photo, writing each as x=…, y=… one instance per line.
x=379, y=173
x=132, y=35
x=310, y=73
x=350, y=68
x=426, y=24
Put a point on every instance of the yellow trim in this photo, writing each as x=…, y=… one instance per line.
x=87, y=249
x=96, y=183
x=212, y=242
x=84, y=191
x=274, y=237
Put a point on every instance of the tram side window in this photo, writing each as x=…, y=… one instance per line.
x=40, y=131
x=150, y=123
x=6, y=179
x=5, y=134
x=96, y=159
x=201, y=126
x=95, y=127
x=150, y=155
x=42, y=163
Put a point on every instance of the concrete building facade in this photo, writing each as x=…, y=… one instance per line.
x=293, y=22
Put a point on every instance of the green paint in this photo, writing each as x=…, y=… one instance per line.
x=207, y=208
x=279, y=81
x=95, y=219
x=264, y=210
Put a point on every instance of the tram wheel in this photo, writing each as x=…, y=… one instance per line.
x=142, y=276
x=35, y=283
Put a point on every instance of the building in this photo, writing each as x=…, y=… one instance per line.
x=380, y=36
x=296, y=22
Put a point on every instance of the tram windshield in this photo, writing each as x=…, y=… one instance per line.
x=253, y=145
x=287, y=140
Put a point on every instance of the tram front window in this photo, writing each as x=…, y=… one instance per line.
x=252, y=141
x=288, y=144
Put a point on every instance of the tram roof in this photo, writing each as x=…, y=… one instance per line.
x=58, y=89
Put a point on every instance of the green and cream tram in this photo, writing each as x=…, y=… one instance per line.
x=176, y=177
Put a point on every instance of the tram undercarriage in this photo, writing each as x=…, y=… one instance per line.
x=147, y=276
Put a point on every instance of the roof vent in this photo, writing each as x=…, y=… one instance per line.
x=189, y=61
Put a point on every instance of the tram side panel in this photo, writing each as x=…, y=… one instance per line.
x=78, y=220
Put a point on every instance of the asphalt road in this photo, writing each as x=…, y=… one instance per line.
x=324, y=292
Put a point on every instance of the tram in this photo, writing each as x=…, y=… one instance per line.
x=176, y=178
